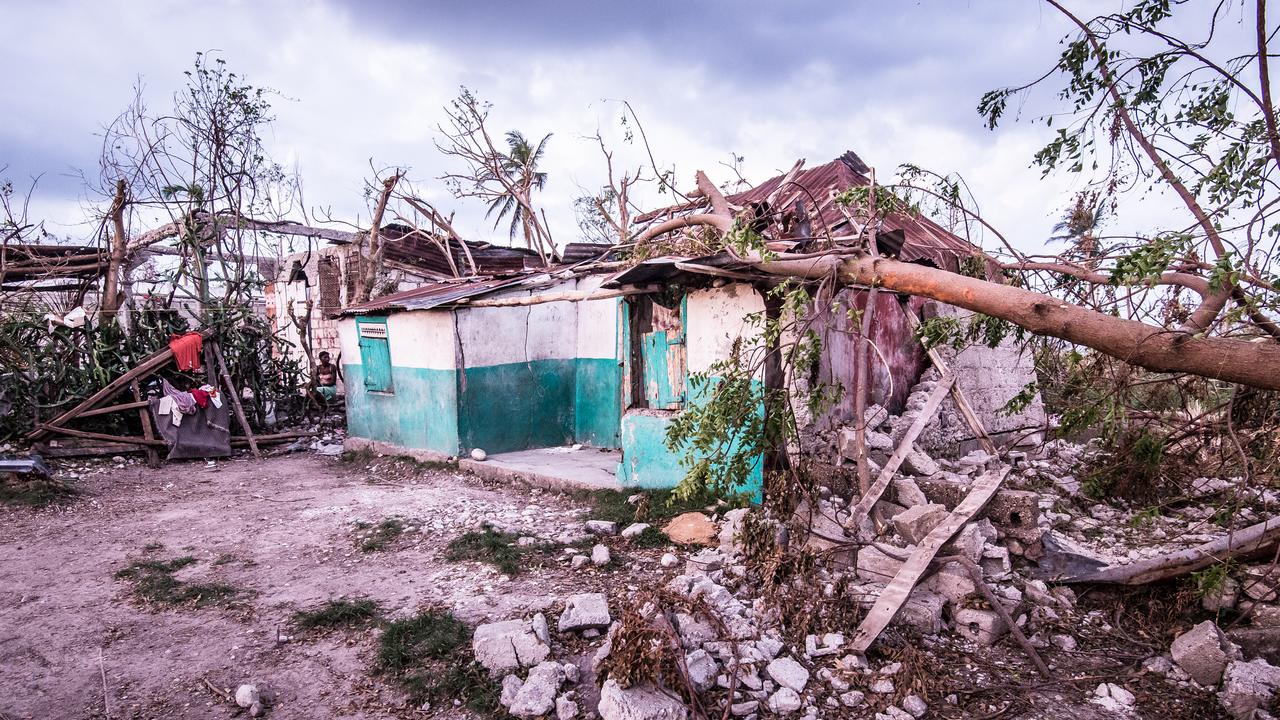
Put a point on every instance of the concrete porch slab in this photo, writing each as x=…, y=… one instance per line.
x=555, y=467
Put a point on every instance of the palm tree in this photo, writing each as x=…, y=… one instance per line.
x=1080, y=224
x=520, y=175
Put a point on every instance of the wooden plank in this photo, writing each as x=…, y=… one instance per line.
x=872, y=496
x=102, y=436
x=235, y=400
x=970, y=417
x=115, y=408
x=144, y=414
x=895, y=594
x=90, y=450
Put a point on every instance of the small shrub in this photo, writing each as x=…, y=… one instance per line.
x=154, y=583
x=651, y=538
x=429, y=656
x=488, y=545
x=383, y=534
x=341, y=613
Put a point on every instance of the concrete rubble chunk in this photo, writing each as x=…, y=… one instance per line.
x=788, y=673
x=566, y=709
x=916, y=522
x=907, y=493
x=247, y=695
x=641, y=702
x=1261, y=583
x=585, y=611
x=602, y=527
x=853, y=698
x=692, y=528
x=984, y=627
x=702, y=668
x=600, y=555
x=537, y=696
x=915, y=705
x=821, y=646
x=1249, y=687
x=511, y=685
x=509, y=645
x=917, y=462
x=669, y=560
x=1202, y=652
x=875, y=566
x=785, y=701
x=1114, y=698
x=634, y=530
x=730, y=529
x=952, y=582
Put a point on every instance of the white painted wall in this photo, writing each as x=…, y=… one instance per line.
x=715, y=317
x=416, y=339
x=501, y=335
x=597, y=322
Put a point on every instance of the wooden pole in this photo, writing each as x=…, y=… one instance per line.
x=102, y=436
x=234, y=396
x=144, y=414
x=115, y=408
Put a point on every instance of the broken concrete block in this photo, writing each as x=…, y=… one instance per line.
x=702, y=668
x=785, y=701
x=1202, y=652
x=692, y=528
x=583, y=611
x=600, y=555
x=875, y=566
x=827, y=644
x=1248, y=688
x=788, y=673
x=915, y=523
x=1113, y=698
x=1261, y=583
x=984, y=627
x=907, y=493
x=952, y=582
x=511, y=685
x=634, y=530
x=730, y=529
x=919, y=463
x=601, y=527
x=506, y=646
x=693, y=631
x=1223, y=597
x=922, y=611
x=640, y=702
x=995, y=560
x=537, y=696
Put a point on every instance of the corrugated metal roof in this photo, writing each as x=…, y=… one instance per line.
x=435, y=294
x=815, y=189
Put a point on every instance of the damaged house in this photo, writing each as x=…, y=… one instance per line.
x=525, y=365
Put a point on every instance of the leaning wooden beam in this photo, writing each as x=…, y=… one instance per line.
x=896, y=592
x=962, y=402
x=1183, y=562
x=144, y=415
x=975, y=574
x=234, y=396
x=114, y=408
x=571, y=296
x=102, y=436
x=872, y=496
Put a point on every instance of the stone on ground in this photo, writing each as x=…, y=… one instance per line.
x=785, y=701
x=585, y=611
x=537, y=696
x=914, y=523
x=566, y=709
x=692, y=528
x=1202, y=652
x=1248, y=687
x=634, y=530
x=509, y=645
x=246, y=695
x=600, y=555
x=788, y=673
x=984, y=627
x=602, y=527
x=641, y=702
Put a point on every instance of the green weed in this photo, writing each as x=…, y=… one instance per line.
x=381, y=535
x=429, y=656
x=341, y=613
x=154, y=583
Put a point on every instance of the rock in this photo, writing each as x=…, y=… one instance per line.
x=788, y=673
x=1248, y=687
x=875, y=566
x=952, y=582
x=915, y=705
x=571, y=672
x=914, y=523
x=539, y=627
x=1261, y=583
x=1064, y=642
x=984, y=627
x=1202, y=652
x=634, y=530
x=669, y=561
x=828, y=644
x=511, y=685
x=908, y=493
x=479, y=455
x=692, y=528
x=730, y=529
x=922, y=611
x=785, y=701
x=247, y=695
x=537, y=696
x=702, y=668
x=1223, y=597
x=693, y=632
x=579, y=561
x=853, y=698
x=917, y=462
x=601, y=527
x=1114, y=698
x=503, y=647
x=566, y=709
x=641, y=702
x=585, y=610
x=744, y=708
x=600, y=555
x=882, y=686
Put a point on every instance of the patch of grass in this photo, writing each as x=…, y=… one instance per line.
x=363, y=456
x=154, y=583
x=35, y=493
x=651, y=537
x=429, y=656
x=488, y=545
x=341, y=613
x=381, y=535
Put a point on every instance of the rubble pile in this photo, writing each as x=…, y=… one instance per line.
x=731, y=634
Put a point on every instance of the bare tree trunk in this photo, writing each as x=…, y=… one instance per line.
x=377, y=247
x=109, y=304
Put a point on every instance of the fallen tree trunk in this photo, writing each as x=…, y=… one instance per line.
x=1256, y=364
x=1183, y=562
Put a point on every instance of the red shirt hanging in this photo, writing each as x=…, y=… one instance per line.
x=187, y=350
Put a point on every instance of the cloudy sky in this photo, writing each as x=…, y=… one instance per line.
x=364, y=81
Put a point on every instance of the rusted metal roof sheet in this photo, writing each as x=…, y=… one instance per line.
x=815, y=190
x=435, y=294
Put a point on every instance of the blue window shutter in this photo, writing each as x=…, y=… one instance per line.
x=375, y=355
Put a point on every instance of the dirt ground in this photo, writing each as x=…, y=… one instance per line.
x=75, y=642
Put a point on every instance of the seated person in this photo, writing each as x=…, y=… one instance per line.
x=327, y=375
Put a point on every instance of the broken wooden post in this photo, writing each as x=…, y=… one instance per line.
x=144, y=414
x=975, y=574
x=872, y=496
x=896, y=592
x=234, y=397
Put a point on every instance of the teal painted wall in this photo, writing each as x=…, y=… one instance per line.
x=420, y=414
x=597, y=405
x=517, y=406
